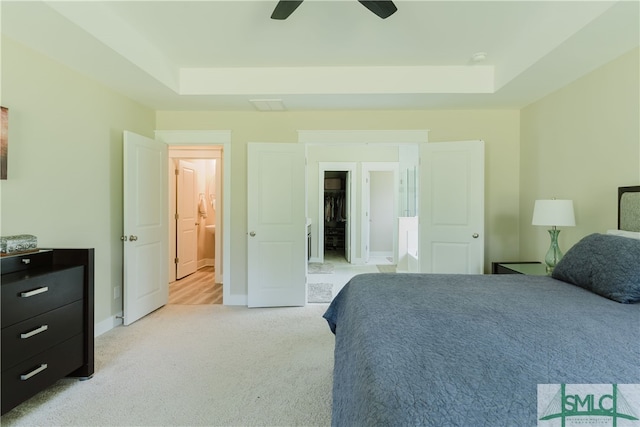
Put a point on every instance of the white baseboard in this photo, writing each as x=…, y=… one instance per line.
x=235, y=300
x=107, y=324
x=381, y=254
x=355, y=261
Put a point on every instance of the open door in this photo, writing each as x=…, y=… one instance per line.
x=276, y=240
x=452, y=207
x=186, y=219
x=145, y=226
x=366, y=216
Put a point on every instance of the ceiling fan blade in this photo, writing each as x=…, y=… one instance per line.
x=382, y=8
x=284, y=8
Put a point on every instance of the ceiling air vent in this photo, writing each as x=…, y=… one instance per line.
x=268, y=104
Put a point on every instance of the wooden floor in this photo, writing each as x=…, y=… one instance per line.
x=197, y=288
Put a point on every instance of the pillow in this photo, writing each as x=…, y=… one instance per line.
x=605, y=264
x=624, y=233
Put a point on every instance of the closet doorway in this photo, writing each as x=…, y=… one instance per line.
x=336, y=230
x=194, y=210
x=380, y=210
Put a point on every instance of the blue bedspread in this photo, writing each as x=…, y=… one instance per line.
x=459, y=350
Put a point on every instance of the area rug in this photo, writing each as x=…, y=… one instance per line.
x=386, y=268
x=320, y=268
x=320, y=292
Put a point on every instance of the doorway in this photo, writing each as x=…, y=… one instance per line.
x=382, y=215
x=194, y=198
x=199, y=144
x=198, y=288
x=380, y=201
x=336, y=216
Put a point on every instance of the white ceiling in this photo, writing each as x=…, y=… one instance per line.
x=218, y=55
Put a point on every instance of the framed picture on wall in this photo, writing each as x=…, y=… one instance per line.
x=4, y=141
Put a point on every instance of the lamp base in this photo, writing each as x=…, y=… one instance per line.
x=554, y=254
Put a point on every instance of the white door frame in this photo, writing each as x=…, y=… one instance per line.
x=202, y=138
x=395, y=138
x=367, y=168
x=350, y=168
x=194, y=153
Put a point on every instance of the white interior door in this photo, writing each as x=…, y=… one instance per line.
x=366, y=215
x=186, y=219
x=452, y=207
x=145, y=226
x=276, y=223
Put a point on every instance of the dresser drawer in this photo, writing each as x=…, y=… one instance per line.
x=32, y=336
x=25, y=296
x=14, y=263
x=27, y=378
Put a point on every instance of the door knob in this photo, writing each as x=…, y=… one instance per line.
x=123, y=238
x=252, y=234
x=475, y=235
x=133, y=238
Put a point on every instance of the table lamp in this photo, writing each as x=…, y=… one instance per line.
x=554, y=213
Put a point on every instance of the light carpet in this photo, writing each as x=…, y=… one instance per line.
x=320, y=292
x=200, y=365
x=385, y=268
x=320, y=268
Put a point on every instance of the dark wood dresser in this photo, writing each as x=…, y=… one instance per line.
x=47, y=320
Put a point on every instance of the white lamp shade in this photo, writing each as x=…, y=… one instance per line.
x=554, y=212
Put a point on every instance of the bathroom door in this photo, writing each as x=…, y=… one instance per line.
x=186, y=219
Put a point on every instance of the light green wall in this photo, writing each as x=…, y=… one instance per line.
x=500, y=129
x=581, y=143
x=65, y=157
x=65, y=162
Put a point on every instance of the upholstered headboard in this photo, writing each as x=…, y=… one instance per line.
x=629, y=208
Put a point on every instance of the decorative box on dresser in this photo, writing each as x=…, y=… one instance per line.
x=47, y=320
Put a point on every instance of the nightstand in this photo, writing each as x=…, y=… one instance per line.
x=532, y=268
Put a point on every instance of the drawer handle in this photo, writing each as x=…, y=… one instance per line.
x=34, y=292
x=34, y=332
x=36, y=371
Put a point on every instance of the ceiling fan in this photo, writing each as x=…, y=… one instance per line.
x=382, y=8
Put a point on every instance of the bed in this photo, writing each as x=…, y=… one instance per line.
x=476, y=350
